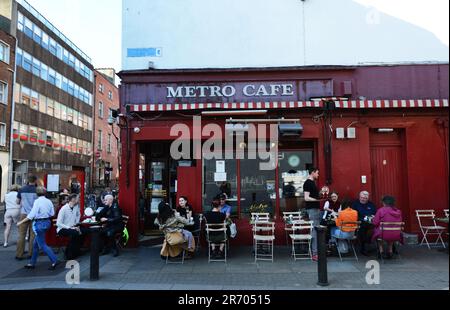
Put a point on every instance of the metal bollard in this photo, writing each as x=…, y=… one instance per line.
x=322, y=253
x=95, y=249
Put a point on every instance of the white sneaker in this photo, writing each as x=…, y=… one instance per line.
x=5, y=245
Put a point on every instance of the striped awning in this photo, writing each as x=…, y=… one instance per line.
x=355, y=104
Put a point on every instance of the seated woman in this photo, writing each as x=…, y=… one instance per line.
x=340, y=232
x=331, y=209
x=216, y=217
x=388, y=213
x=184, y=208
x=170, y=222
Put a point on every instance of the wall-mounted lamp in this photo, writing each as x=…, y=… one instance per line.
x=137, y=130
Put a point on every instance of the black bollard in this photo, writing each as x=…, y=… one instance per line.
x=322, y=253
x=95, y=251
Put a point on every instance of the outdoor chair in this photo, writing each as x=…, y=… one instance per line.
x=301, y=234
x=217, y=230
x=119, y=238
x=446, y=212
x=428, y=227
x=260, y=217
x=263, y=240
x=350, y=241
x=198, y=231
x=61, y=241
x=289, y=218
x=391, y=227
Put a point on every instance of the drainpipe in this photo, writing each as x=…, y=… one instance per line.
x=94, y=104
x=13, y=110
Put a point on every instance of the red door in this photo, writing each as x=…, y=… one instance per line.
x=388, y=172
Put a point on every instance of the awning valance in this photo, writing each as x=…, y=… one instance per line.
x=351, y=104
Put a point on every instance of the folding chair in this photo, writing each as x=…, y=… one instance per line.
x=390, y=227
x=219, y=229
x=446, y=212
x=289, y=218
x=427, y=230
x=301, y=234
x=260, y=217
x=263, y=237
x=198, y=232
x=347, y=226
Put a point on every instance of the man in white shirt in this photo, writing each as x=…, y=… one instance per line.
x=68, y=218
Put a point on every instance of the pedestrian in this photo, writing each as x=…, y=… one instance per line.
x=40, y=216
x=26, y=197
x=12, y=213
x=312, y=204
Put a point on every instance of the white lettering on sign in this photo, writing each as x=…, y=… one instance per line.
x=228, y=91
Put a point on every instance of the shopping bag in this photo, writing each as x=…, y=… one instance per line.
x=233, y=230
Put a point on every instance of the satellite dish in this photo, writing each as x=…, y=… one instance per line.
x=88, y=212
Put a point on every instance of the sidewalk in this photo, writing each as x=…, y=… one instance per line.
x=143, y=269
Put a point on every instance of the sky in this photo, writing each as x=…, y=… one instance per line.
x=95, y=26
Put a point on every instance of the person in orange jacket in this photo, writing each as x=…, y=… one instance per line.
x=346, y=231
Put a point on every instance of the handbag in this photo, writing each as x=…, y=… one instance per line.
x=233, y=230
x=175, y=238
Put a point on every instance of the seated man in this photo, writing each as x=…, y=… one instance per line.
x=111, y=217
x=68, y=218
x=340, y=232
x=390, y=214
x=366, y=211
x=216, y=217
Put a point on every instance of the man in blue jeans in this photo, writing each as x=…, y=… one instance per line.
x=41, y=214
x=312, y=203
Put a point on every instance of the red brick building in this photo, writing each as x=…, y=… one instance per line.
x=105, y=163
x=7, y=66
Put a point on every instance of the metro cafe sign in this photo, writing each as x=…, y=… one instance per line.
x=227, y=91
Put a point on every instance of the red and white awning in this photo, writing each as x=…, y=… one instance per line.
x=355, y=104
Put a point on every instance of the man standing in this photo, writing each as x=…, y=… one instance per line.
x=312, y=203
x=26, y=197
x=366, y=211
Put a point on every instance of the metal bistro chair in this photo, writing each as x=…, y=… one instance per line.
x=347, y=226
x=263, y=237
x=391, y=227
x=259, y=217
x=427, y=230
x=218, y=229
x=301, y=234
x=289, y=218
x=198, y=232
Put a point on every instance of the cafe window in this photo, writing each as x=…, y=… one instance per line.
x=220, y=176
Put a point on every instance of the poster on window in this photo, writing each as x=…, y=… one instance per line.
x=53, y=183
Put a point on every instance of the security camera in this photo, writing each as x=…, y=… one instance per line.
x=111, y=120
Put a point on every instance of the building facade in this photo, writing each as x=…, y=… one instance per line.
x=7, y=68
x=383, y=129
x=106, y=133
x=53, y=95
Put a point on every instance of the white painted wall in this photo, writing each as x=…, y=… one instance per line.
x=270, y=33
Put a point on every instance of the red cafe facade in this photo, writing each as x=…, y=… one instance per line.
x=383, y=129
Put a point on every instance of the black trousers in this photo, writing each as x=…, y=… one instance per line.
x=365, y=234
x=73, y=249
x=109, y=233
